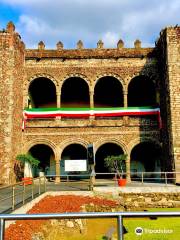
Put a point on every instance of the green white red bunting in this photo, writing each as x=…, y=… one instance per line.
x=86, y=112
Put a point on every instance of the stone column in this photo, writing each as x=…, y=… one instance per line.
x=57, y=179
x=128, y=177
x=58, y=97
x=91, y=94
x=125, y=118
x=125, y=99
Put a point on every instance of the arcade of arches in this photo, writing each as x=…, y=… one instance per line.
x=144, y=157
x=108, y=92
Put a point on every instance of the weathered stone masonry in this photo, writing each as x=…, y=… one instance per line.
x=19, y=67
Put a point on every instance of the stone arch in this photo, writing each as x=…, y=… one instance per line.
x=68, y=142
x=50, y=89
x=73, y=150
x=44, y=141
x=108, y=91
x=104, y=148
x=120, y=79
x=151, y=77
x=75, y=75
x=146, y=91
x=136, y=141
x=110, y=140
x=40, y=75
x=75, y=92
x=145, y=155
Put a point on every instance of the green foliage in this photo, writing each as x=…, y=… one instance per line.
x=116, y=163
x=22, y=158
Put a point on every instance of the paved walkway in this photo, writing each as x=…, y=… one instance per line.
x=101, y=186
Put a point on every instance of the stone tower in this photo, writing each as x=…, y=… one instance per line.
x=169, y=62
x=11, y=99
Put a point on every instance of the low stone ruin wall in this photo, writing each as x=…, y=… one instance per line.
x=142, y=201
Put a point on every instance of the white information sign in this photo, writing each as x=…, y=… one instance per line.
x=75, y=165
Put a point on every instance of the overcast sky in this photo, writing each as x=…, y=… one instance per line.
x=89, y=20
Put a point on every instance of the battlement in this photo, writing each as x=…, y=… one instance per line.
x=82, y=53
x=10, y=38
x=90, y=53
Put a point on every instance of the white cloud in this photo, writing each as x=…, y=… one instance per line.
x=110, y=39
x=91, y=20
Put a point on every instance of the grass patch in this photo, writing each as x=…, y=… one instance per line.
x=150, y=227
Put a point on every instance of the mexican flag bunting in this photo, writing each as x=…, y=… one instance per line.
x=87, y=112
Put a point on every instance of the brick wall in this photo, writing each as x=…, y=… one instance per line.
x=11, y=75
x=169, y=59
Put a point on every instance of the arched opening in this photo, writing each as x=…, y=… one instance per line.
x=75, y=93
x=146, y=157
x=141, y=92
x=73, y=152
x=108, y=92
x=46, y=157
x=42, y=93
x=107, y=149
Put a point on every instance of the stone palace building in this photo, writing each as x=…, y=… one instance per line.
x=54, y=103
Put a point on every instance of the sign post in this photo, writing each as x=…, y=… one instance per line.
x=91, y=161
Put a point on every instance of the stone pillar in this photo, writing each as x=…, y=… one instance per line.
x=125, y=118
x=58, y=97
x=125, y=99
x=128, y=169
x=91, y=94
x=57, y=179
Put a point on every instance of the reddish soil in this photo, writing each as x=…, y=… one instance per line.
x=24, y=229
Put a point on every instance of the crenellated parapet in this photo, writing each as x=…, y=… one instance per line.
x=81, y=52
x=99, y=53
x=9, y=38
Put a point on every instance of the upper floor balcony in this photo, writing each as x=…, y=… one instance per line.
x=77, y=103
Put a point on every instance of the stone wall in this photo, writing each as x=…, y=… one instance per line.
x=140, y=201
x=169, y=59
x=11, y=76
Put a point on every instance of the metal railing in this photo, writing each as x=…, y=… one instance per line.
x=74, y=182
x=118, y=215
x=143, y=177
x=18, y=193
x=163, y=177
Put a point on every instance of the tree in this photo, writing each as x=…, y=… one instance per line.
x=116, y=163
x=24, y=163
